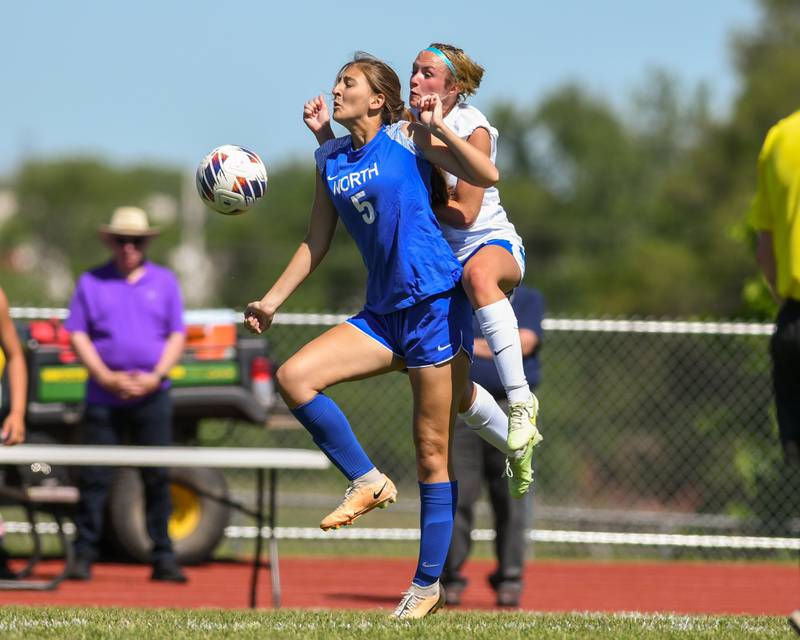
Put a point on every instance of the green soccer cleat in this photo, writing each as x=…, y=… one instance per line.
x=519, y=469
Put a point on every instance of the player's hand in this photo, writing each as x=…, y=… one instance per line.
x=318, y=118
x=13, y=430
x=258, y=317
x=315, y=113
x=430, y=112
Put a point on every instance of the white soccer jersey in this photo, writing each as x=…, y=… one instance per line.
x=492, y=222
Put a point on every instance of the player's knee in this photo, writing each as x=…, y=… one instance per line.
x=292, y=382
x=478, y=281
x=431, y=458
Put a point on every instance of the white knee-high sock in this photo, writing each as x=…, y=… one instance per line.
x=487, y=419
x=499, y=326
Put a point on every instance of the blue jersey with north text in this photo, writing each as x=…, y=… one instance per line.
x=382, y=194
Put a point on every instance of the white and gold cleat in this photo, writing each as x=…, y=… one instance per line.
x=419, y=602
x=359, y=500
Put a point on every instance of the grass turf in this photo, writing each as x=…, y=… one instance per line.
x=144, y=624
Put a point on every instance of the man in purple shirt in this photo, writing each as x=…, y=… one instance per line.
x=126, y=325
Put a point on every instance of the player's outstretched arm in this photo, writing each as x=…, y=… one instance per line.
x=442, y=147
x=259, y=314
x=318, y=119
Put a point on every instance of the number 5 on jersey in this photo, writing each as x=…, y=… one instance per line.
x=365, y=208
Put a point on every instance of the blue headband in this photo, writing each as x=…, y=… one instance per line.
x=446, y=60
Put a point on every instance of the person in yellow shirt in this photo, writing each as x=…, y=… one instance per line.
x=14, y=400
x=775, y=214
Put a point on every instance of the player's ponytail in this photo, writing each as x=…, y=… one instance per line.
x=440, y=195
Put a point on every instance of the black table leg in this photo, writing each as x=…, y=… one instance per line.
x=259, y=526
x=274, y=568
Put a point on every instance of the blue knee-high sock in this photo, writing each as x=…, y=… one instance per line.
x=436, y=529
x=332, y=433
x=454, y=493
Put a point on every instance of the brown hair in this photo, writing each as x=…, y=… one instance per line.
x=382, y=79
x=468, y=72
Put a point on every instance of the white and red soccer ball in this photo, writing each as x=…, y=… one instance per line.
x=231, y=179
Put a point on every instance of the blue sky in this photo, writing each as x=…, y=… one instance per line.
x=168, y=81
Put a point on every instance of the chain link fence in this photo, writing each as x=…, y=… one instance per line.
x=659, y=437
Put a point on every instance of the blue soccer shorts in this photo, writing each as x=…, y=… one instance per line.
x=426, y=334
x=516, y=250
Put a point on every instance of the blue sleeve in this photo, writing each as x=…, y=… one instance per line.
x=327, y=149
x=321, y=154
x=528, y=305
x=396, y=133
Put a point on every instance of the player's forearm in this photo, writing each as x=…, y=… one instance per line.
x=301, y=265
x=473, y=165
x=323, y=134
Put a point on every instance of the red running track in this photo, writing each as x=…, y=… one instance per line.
x=376, y=583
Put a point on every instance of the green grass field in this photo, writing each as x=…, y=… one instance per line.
x=143, y=624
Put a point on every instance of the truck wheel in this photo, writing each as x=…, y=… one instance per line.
x=197, y=523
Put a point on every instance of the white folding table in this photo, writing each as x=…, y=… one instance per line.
x=219, y=457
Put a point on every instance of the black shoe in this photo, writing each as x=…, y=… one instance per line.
x=81, y=569
x=508, y=594
x=6, y=572
x=168, y=571
x=452, y=593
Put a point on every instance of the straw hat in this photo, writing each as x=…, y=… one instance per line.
x=129, y=221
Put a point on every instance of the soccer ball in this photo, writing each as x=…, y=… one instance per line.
x=231, y=179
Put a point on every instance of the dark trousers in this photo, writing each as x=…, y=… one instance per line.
x=147, y=423
x=477, y=463
x=785, y=352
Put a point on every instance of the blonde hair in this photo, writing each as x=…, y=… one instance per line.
x=381, y=79
x=468, y=74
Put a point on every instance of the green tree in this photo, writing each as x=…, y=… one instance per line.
x=60, y=206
